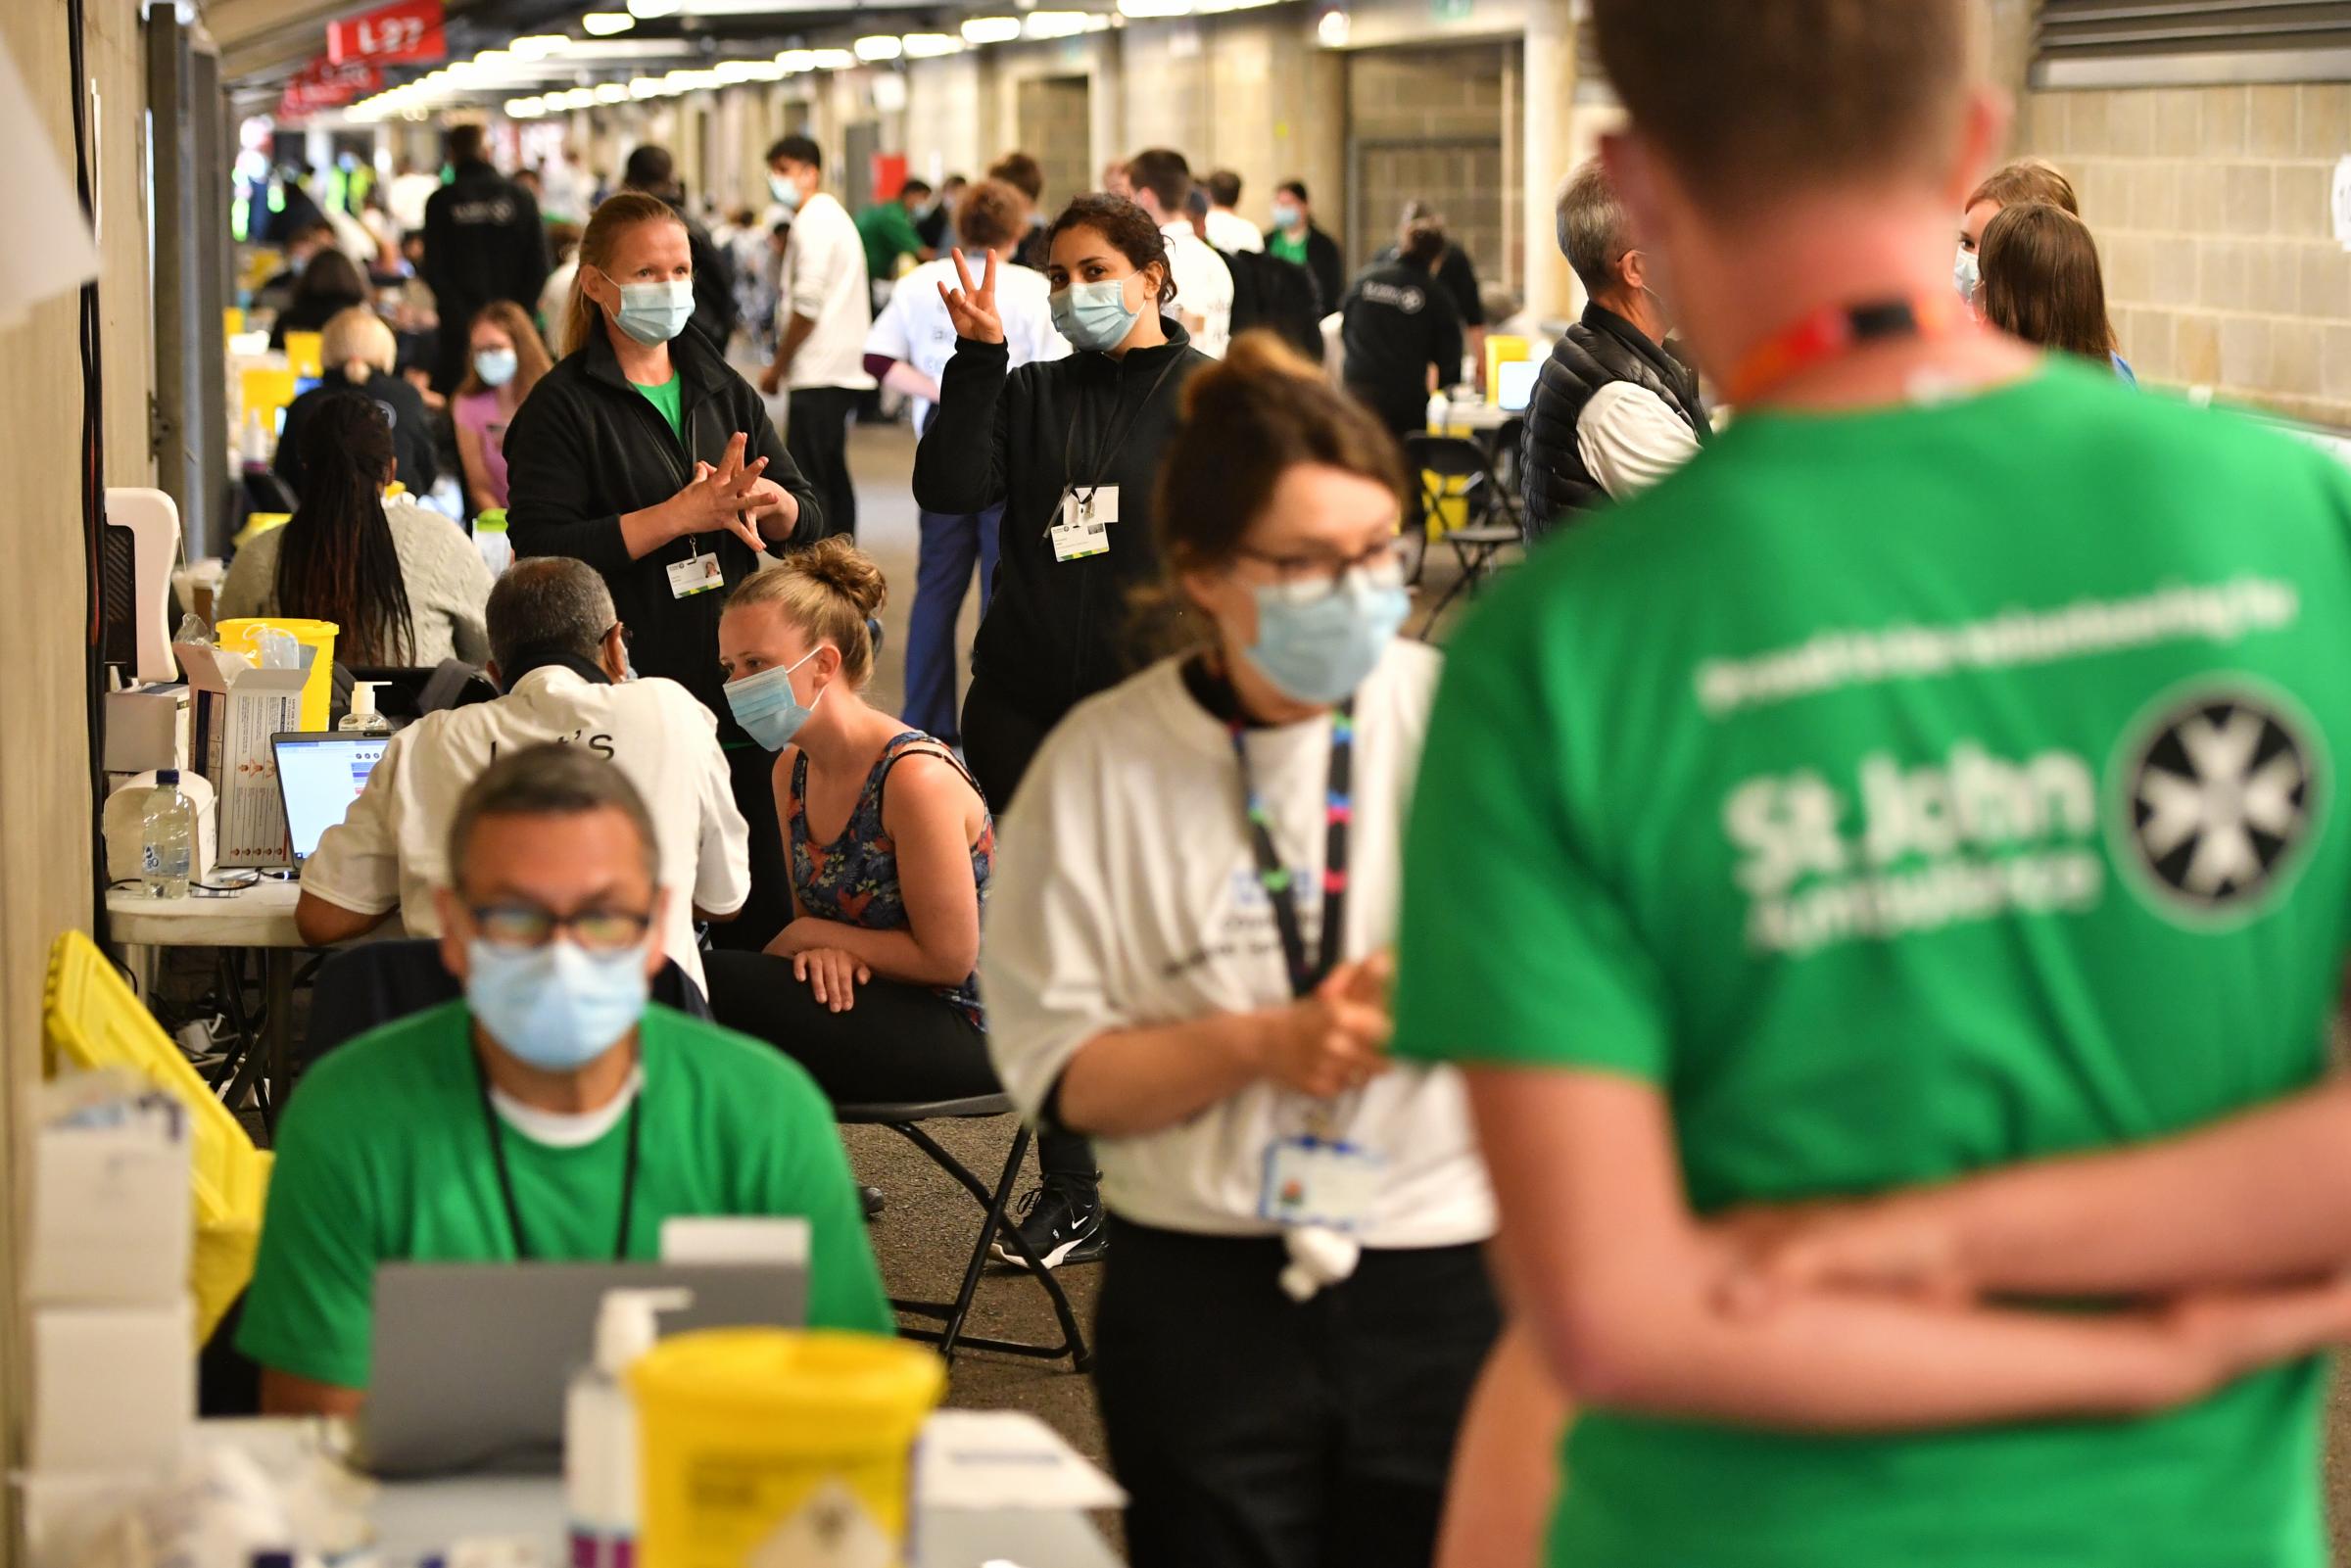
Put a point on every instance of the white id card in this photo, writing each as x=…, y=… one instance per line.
x=1085, y=526
x=1314, y=1181
x=696, y=574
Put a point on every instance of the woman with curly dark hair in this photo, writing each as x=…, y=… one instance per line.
x=1070, y=449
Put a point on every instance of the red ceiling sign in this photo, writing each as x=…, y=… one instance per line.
x=325, y=84
x=394, y=34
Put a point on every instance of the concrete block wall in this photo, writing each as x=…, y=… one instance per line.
x=2211, y=209
x=1431, y=125
x=1052, y=122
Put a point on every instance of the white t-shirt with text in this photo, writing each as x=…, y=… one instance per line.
x=391, y=849
x=1127, y=894
x=914, y=328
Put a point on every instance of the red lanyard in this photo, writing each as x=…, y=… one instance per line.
x=1836, y=330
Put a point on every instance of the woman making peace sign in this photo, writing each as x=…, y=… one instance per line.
x=1070, y=448
x=646, y=457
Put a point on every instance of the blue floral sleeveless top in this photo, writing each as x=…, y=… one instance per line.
x=854, y=879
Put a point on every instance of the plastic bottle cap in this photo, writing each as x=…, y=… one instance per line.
x=626, y=1327
x=363, y=697
x=167, y=775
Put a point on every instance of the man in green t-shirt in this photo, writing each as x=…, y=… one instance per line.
x=889, y=232
x=1936, y=777
x=553, y=1115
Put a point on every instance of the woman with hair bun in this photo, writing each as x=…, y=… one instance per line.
x=872, y=986
x=1068, y=449
x=1187, y=962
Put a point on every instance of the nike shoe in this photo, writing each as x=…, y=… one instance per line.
x=1062, y=1224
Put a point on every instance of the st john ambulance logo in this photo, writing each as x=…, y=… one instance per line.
x=2220, y=795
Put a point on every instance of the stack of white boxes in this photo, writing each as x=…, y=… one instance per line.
x=113, y=1365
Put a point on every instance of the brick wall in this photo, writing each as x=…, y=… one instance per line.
x=1431, y=125
x=2210, y=204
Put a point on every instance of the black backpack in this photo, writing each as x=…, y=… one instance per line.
x=1277, y=295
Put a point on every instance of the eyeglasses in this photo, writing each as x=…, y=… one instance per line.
x=628, y=635
x=1312, y=578
x=522, y=927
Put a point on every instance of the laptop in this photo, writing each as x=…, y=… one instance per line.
x=1514, y=383
x=318, y=775
x=471, y=1362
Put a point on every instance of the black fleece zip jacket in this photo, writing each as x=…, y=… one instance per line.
x=1055, y=632
x=586, y=446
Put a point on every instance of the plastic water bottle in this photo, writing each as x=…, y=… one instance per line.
x=490, y=538
x=166, y=838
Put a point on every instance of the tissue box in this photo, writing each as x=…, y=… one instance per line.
x=111, y=1210
x=238, y=709
x=113, y=1387
x=147, y=728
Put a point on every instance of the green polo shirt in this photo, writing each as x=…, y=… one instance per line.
x=1909, y=792
x=671, y=398
x=889, y=232
x=384, y=1157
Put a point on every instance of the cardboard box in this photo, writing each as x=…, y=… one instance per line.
x=112, y=1213
x=147, y=728
x=113, y=1387
x=238, y=708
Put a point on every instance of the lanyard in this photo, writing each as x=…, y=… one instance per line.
x=1280, y=885
x=505, y=1182
x=1111, y=448
x=1835, y=331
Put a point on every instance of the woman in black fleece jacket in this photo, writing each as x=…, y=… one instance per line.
x=1092, y=425
x=642, y=452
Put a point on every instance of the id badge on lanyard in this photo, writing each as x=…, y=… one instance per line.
x=696, y=574
x=1312, y=1180
x=1085, y=526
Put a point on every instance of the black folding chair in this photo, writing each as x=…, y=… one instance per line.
x=1451, y=470
x=370, y=984
x=904, y=1117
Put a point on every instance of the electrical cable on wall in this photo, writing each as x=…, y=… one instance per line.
x=93, y=475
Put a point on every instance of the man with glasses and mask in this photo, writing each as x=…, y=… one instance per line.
x=1613, y=411
x=555, y=1114
x=560, y=655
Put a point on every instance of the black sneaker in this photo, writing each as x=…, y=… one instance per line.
x=1062, y=1224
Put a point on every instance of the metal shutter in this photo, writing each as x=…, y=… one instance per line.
x=2133, y=43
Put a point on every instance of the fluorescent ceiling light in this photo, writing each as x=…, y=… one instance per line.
x=796, y=60
x=931, y=45
x=766, y=71
x=604, y=23
x=1158, y=8
x=991, y=29
x=1054, y=23
x=612, y=92
x=645, y=87
x=492, y=57
x=879, y=46
x=833, y=58
x=729, y=72
x=538, y=46
x=1333, y=30
x=525, y=107
x=1103, y=21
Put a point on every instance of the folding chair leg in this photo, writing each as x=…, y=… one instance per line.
x=949, y=1336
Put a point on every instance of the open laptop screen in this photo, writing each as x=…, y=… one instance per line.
x=1514, y=383
x=320, y=776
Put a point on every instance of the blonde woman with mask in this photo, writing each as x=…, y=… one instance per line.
x=646, y=455
x=872, y=986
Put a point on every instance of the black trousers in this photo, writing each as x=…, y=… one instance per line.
x=1251, y=1431
x=816, y=433
x=751, y=771
x=896, y=1042
x=1000, y=741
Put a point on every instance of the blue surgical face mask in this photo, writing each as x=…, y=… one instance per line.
x=655, y=312
x=766, y=706
x=1965, y=275
x=559, y=1006
x=785, y=192
x=496, y=366
x=1286, y=216
x=1321, y=651
x=1094, y=316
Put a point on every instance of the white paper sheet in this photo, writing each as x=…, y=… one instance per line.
x=1005, y=1459
x=36, y=191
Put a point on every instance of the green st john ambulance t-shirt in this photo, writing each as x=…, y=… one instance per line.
x=1906, y=793
x=669, y=397
x=383, y=1157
